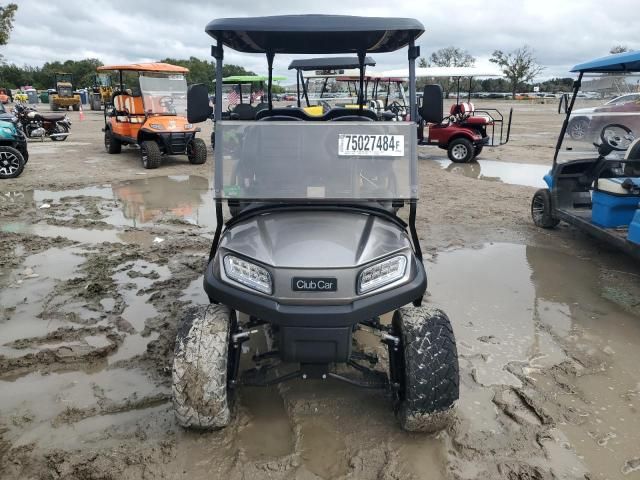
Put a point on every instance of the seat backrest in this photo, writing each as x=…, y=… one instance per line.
x=633, y=152
x=118, y=101
x=431, y=108
x=134, y=105
x=283, y=112
x=336, y=113
x=244, y=111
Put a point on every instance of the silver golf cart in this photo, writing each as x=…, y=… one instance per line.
x=314, y=249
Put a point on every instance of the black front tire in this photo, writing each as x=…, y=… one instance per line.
x=111, y=144
x=542, y=209
x=201, y=395
x=151, y=154
x=460, y=150
x=426, y=369
x=11, y=162
x=197, y=151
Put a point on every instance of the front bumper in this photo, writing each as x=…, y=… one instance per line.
x=315, y=315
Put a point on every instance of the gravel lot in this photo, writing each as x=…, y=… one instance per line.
x=98, y=258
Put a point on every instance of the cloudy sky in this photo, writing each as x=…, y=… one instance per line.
x=562, y=32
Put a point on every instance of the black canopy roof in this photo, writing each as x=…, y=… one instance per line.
x=329, y=63
x=315, y=34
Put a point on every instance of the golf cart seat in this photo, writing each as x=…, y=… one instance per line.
x=290, y=112
x=243, y=111
x=615, y=199
x=134, y=107
x=332, y=115
x=465, y=111
x=118, y=101
x=627, y=185
x=431, y=108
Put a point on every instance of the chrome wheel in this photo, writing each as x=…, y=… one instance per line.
x=459, y=152
x=10, y=163
x=537, y=209
x=578, y=129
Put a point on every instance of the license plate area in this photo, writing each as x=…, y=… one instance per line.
x=374, y=145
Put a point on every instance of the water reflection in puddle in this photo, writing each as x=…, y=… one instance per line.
x=524, y=308
x=169, y=200
x=526, y=174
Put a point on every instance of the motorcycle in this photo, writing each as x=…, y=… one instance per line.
x=39, y=125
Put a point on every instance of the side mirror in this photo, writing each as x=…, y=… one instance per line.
x=198, y=109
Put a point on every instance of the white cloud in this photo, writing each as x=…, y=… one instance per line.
x=561, y=33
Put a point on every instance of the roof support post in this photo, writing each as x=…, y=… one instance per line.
x=414, y=52
x=217, y=53
x=361, y=56
x=270, y=56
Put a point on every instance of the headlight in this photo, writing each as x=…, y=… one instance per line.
x=188, y=126
x=382, y=273
x=247, y=274
x=156, y=126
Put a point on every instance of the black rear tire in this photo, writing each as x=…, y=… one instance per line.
x=151, y=154
x=426, y=368
x=197, y=151
x=112, y=144
x=542, y=209
x=201, y=366
x=60, y=129
x=11, y=162
x=460, y=150
x=75, y=107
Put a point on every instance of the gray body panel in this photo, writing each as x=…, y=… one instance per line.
x=315, y=244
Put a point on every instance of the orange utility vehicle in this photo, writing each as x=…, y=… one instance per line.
x=152, y=114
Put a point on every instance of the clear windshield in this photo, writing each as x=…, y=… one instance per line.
x=332, y=89
x=164, y=94
x=607, y=110
x=387, y=91
x=315, y=160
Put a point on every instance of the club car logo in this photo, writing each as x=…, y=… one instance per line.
x=172, y=124
x=306, y=284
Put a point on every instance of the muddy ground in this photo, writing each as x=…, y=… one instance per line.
x=98, y=258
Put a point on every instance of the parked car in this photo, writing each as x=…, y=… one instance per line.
x=13, y=150
x=586, y=123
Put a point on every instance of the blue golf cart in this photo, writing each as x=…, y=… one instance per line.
x=595, y=185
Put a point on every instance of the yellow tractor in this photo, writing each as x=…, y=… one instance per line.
x=101, y=92
x=64, y=96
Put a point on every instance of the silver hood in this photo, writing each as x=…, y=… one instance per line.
x=315, y=239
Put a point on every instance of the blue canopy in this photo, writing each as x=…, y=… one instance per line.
x=620, y=62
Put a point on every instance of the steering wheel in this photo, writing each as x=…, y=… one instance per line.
x=617, y=137
x=394, y=107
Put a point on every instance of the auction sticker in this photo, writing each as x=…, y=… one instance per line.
x=375, y=145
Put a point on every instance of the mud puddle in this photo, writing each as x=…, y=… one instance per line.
x=529, y=175
x=112, y=212
x=546, y=325
x=548, y=356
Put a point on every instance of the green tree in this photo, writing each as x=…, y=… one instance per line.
x=618, y=49
x=7, y=14
x=446, y=57
x=519, y=66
